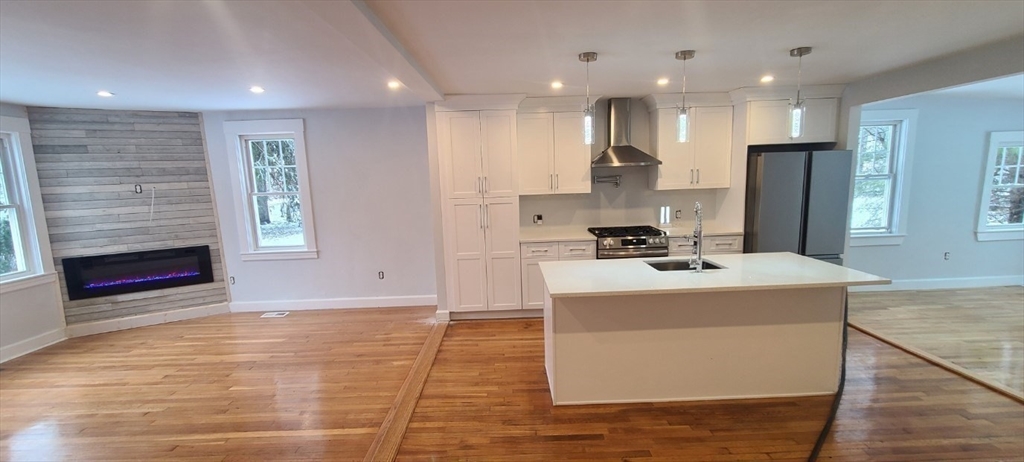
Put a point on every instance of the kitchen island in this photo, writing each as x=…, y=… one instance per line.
x=765, y=325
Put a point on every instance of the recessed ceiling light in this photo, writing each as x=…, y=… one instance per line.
x=256, y=89
x=556, y=84
x=662, y=81
x=104, y=93
x=394, y=84
x=767, y=78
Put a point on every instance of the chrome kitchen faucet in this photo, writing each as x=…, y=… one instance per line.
x=697, y=260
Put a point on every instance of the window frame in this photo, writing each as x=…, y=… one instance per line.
x=237, y=134
x=901, y=161
x=985, y=231
x=15, y=170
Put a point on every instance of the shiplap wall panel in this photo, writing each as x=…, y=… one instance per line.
x=89, y=162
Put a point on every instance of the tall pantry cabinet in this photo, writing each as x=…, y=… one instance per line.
x=480, y=209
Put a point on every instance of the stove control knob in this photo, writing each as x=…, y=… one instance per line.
x=607, y=242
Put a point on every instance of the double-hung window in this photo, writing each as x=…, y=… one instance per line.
x=1001, y=214
x=880, y=177
x=12, y=241
x=272, y=189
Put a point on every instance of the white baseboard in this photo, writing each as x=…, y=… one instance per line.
x=944, y=283
x=111, y=325
x=503, y=314
x=333, y=303
x=29, y=345
x=443, y=316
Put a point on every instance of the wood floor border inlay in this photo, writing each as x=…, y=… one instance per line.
x=944, y=364
x=389, y=438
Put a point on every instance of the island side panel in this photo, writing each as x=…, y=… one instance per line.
x=696, y=346
x=549, y=342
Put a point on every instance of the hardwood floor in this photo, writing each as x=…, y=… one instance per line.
x=317, y=385
x=981, y=330
x=314, y=385
x=486, y=398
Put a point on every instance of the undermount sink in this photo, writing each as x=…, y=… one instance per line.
x=679, y=265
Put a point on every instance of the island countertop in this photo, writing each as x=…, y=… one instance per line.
x=757, y=271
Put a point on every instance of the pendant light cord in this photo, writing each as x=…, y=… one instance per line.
x=799, y=76
x=588, y=84
x=684, y=84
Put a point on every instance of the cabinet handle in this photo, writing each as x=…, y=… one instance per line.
x=487, y=185
x=538, y=250
x=556, y=182
x=577, y=249
x=551, y=181
x=691, y=176
x=480, y=215
x=487, y=215
x=698, y=176
x=476, y=186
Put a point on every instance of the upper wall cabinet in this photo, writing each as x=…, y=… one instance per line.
x=552, y=156
x=478, y=153
x=703, y=161
x=768, y=121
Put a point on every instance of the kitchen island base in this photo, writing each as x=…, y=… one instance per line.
x=693, y=346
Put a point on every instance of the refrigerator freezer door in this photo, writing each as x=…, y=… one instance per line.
x=828, y=203
x=777, y=201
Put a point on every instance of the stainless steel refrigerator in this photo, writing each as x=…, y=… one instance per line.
x=797, y=201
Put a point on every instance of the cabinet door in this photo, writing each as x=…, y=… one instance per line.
x=501, y=227
x=498, y=131
x=676, y=170
x=459, y=143
x=722, y=244
x=572, y=157
x=536, y=153
x=712, y=150
x=768, y=122
x=533, y=284
x=821, y=120
x=468, y=286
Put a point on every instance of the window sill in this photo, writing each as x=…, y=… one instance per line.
x=25, y=282
x=280, y=255
x=1000, y=235
x=876, y=240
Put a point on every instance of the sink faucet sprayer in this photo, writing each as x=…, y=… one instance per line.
x=697, y=260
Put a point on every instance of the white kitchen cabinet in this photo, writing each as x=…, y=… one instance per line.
x=704, y=161
x=483, y=240
x=535, y=252
x=682, y=246
x=552, y=156
x=768, y=121
x=477, y=153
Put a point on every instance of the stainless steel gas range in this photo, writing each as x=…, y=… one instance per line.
x=630, y=242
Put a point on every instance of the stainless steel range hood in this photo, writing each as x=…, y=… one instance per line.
x=620, y=152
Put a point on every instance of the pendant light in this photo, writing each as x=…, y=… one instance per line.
x=589, y=113
x=797, y=110
x=682, y=112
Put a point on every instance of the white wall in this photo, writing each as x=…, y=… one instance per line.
x=369, y=176
x=31, y=315
x=948, y=171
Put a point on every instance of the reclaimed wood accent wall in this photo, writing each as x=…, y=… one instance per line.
x=89, y=163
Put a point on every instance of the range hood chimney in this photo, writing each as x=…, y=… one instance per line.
x=620, y=152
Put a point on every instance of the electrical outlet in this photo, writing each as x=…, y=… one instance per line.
x=945, y=256
x=231, y=279
x=538, y=219
x=380, y=275
x=679, y=214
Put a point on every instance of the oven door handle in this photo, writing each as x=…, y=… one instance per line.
x=659, y=252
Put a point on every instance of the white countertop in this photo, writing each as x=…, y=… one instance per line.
x=758, y=271
x=580, y=233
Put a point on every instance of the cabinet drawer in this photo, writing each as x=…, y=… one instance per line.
x=680, y=246
x=723, y=244
x=548, y=250
x=578, y=249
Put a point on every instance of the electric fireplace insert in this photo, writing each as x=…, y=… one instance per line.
x=103, y=275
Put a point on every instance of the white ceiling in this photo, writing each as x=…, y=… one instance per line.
x=472, y=47
x=192, y=55
x=204, y=55
x=1011, y=87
